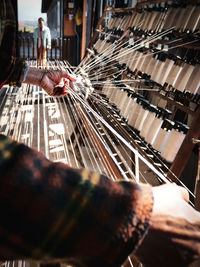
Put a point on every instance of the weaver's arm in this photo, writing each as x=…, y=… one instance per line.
x=51, y=212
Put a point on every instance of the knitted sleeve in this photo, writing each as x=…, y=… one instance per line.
x=50, y=211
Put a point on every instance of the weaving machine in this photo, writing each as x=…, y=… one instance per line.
x=121, y=117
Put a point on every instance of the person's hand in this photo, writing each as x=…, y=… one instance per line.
x=173, y=238
x=54, y=82
x=171, y=200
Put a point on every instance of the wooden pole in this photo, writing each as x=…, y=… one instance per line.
x=84, y=28
x=186, y=148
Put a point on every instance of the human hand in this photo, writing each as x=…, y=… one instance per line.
x=173, y=238
x=172, y=200
x=62, y=87
x=54, y=82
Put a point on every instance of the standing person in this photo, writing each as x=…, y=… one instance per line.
x=42, y=39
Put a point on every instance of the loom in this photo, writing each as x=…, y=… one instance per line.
x=120, y=114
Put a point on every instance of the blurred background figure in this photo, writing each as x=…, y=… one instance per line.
x=42, y=39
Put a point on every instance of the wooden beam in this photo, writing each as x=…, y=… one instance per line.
x=103, y=153
x=178, y=105
x=186, y=148
x=84, y=28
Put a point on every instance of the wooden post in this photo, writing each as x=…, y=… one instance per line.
x=186, y=148
x=60, y=49
x=84, y=28
x=33, y=51
x=64, y=48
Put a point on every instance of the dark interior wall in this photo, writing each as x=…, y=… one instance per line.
x=53, y=19
x=14, y=3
